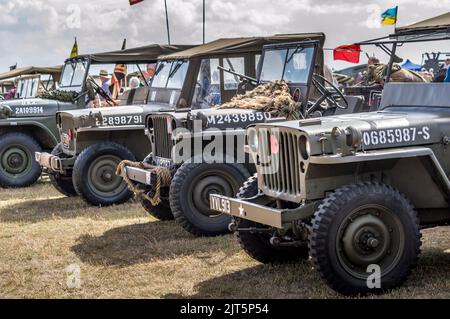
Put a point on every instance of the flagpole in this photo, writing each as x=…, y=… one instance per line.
x=167, y=22
x=204, y=21
x=396, y=18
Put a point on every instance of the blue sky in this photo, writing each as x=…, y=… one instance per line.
x=37, y=32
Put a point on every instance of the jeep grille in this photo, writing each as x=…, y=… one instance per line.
x=284, y=182
x=162, y=136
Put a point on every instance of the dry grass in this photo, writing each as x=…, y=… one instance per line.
x=122, y=252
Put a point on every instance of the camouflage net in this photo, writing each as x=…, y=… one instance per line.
x=377, y=72
x=62, y=96
x=163, y=179
x=273, y=97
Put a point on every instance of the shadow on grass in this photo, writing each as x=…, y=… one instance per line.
x=38, y=210
x=293, y=280
x=33, y=211
x=140, y=243
x=430, y=279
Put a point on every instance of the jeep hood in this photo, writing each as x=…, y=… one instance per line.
x=118, y=110
x=34, y=107
x=393, y=127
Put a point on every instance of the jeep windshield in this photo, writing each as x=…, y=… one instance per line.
x=168, y=81
x=292, y=65
x=73, y=76
x=28, y=87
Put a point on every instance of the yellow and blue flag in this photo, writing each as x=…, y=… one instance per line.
x=389, y=16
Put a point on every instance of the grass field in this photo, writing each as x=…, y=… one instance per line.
x=122, y=253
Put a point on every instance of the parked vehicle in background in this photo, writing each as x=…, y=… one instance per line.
x=90, y=141
x=26, y=123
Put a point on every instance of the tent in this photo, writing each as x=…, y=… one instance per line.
x=439, y=23
x=31, y=70
x=411, y=66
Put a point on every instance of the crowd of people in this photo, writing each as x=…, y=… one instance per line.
x=132, y=83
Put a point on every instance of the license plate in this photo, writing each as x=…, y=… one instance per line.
x=220, y=204
x=65, y=140
x=163, y=162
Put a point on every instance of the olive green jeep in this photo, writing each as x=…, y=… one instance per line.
x=351, y=191
x=26, y=123
x=71, y=124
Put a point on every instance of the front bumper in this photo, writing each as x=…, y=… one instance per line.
x=145, y=176
x=54, y=164
x=139, y=175
x=255, y=209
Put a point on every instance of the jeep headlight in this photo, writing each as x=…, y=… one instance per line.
x=253, y=139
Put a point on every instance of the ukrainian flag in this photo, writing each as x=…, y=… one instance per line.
x=389, y=16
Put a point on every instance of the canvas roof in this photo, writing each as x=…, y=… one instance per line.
x=238, y=45
x=439, y=22
x=32, y=70
x=145, y=54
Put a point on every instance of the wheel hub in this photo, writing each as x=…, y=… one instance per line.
x=366, y=240
x=102, y=177
x=207, y=186
x=15, y=160
x=107, y=176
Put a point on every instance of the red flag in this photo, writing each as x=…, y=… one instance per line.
x=133, y=2
x=349, y=53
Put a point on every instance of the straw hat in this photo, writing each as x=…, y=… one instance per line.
x=104, y=74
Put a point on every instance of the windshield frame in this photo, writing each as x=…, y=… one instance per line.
x=71, y=87
x=173, y=64
x=290, y=46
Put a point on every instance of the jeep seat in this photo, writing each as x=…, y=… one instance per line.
x=416, y=94
x=123, y=99
x=355, y=105
x=140, y=96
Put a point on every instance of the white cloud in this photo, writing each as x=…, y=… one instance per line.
x=38, y=32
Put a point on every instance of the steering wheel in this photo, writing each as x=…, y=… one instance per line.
x=327, y=95
x=102, y=92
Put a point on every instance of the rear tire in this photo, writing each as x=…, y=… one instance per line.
x=362, y=225
x=18, y=167
x=257, y=245
x=189, y=195
x=63, y=183
x=94, y=174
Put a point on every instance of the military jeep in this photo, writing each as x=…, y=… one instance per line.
x=356, y=189
x=185, y=195
x=91, y=140
x=26, y=124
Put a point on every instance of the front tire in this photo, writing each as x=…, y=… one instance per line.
x=362, y=226
x=18, y=167
x=190, y=190
x=257, y=245
x=161, y=211
x=94, y=174
x=62, y=183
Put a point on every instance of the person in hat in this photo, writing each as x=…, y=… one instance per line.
x=105, y=79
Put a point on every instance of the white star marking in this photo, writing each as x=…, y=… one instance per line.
x=241, y=211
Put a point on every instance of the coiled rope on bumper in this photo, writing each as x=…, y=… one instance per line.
x=163, y=179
